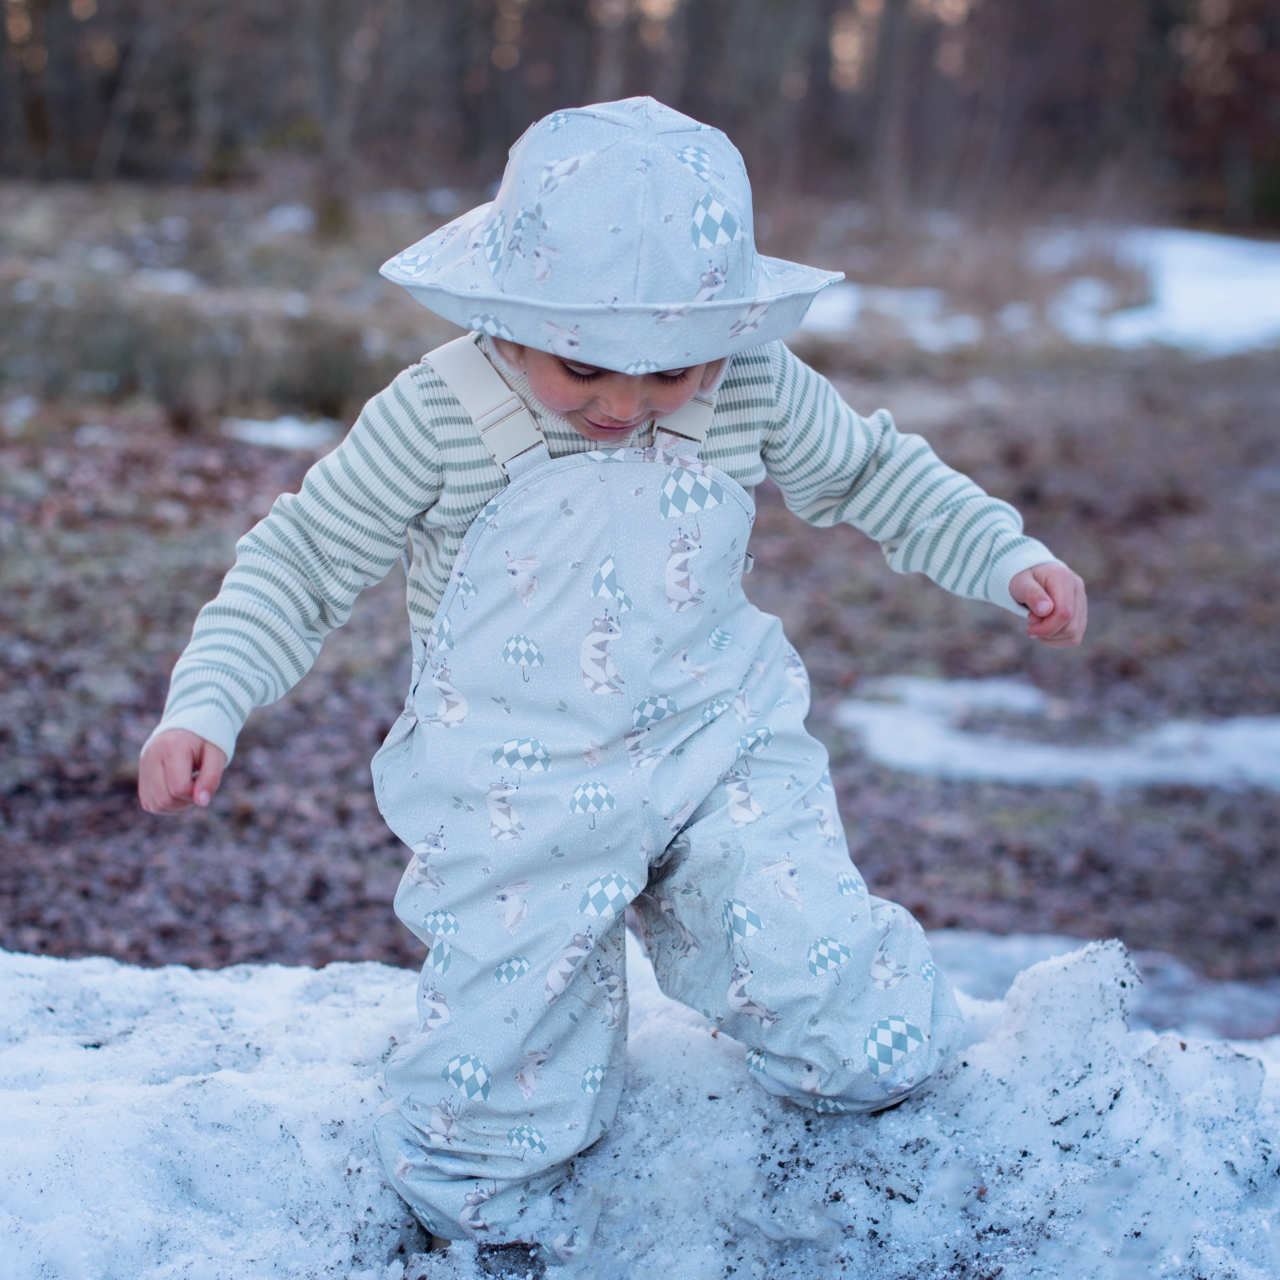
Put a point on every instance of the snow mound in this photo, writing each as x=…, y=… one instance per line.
x=197, y=1124
x=910, y=723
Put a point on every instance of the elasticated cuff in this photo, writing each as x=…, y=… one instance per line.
x=205, y=722
x=1008, y=567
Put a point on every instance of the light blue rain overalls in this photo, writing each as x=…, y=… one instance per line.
x=599, y=719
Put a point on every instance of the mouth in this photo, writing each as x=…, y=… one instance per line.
x=616, y=427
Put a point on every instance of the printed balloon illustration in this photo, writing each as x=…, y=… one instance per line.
x=523, y=753
x=889, y=1041
x=593, y=1078
x=440, y=923
x=468, y=1075
x=685, y=493
x=522, y=652
x=509, y=970
x=850, y=884
x=714, y=709
x=652, y=709
x=739, y=920
x=524, y=1137
x=751, y=744
x=826, y=955
x=605, y=584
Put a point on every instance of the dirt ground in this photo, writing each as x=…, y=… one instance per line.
x=1156, y=477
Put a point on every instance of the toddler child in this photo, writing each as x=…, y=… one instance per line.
x=626, y=730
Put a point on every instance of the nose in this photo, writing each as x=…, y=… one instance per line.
x=622, y=398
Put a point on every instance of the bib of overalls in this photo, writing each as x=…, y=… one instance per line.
x=599, y=719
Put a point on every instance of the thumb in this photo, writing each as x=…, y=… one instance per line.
x=1037, y=599
x=212, y=762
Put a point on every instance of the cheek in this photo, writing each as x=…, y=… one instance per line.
x=558, y=393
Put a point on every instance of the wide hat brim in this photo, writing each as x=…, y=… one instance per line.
x=447, y=273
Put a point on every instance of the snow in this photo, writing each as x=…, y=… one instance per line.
x=1211, y=295
x=179, y=1123
x=285, y=432
x=912, y=724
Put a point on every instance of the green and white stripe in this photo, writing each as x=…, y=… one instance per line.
x=413, y=466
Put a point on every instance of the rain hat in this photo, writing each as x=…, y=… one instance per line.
x=622, y=237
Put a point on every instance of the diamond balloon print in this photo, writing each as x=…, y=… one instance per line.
x=466, y=588
x=607, y=896
x=826, y=954
x=494, y=234
x=739, y=920
x=490, y=324
x=713, y=224
x=756, y=1059
x=719, y=639
x=442, y=630
x=593, y=1078
x=440, y=957
x=523, y=753
x=751, y=744
x=605, y=584
x=889, y=1041
x=697, y=158
x=522, y=652
x=850, y=884
x=592, y=798
x=468, y=1075
x=509, y=970
x=524, y=1137
x=685, y=492
x=440, y=923
x=714, y=709
x=928, y=970
x=829, y=1107
x=652, y=709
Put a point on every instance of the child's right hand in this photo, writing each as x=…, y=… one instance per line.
x=179, y=769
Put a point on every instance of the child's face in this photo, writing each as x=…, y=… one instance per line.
x=601, y=404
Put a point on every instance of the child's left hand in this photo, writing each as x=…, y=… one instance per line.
x=1057, y=601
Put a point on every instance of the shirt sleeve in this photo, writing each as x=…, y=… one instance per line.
x=298, y=572
x=833, y=466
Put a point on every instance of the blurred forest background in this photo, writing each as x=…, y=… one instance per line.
x=1170, y=104
x=195, y=197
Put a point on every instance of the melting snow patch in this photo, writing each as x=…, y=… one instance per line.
x=910, y=724
x=180, y=1123
x=835, y=312
x=284, y=433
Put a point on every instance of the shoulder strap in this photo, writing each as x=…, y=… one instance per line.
x=506, y=426
x=692, y=421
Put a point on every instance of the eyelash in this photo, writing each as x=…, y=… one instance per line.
x=591, y=377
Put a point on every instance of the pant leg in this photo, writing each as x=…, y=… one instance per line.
x=757, y=918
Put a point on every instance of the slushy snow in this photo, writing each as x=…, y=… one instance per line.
x=177, y=1123
x=914, y=725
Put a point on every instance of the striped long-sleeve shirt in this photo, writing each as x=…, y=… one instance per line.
x=413, y=467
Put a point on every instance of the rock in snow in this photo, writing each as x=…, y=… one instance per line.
x=177, y=1123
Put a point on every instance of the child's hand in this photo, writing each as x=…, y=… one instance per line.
x=1056, y=598
x=179, y=769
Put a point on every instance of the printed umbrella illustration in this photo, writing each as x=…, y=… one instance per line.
x=524, y=1137
x=522, y=652
x=719, y=639
x=850, y=883
x=592, y=797
x=466, y=589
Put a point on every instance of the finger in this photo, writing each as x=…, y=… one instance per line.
x=212, y=763
x=178, y=768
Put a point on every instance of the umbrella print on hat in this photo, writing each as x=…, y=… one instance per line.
x=592, y=797
x=522, y=652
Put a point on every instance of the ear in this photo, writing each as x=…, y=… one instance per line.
x=510, y=353
x=713, y=374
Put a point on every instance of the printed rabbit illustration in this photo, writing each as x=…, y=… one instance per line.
x=520, y=577
x=682, y=663
x=611, y=986
x=787, y=880
x=527, y=1072
x=512, y=908
x=452, y=710
x=741, y=1002
x=566, y=963
x=683, y=592
x=743, y=806
x=811, y=1081
x=504, y=823
x=742, y=708
x=688, y=943
x=598, y=672
x=410, y=1157
x=420, y=871
x=469, y=1219
x=563, y=342
x=442, y=1128
x=433, y=1009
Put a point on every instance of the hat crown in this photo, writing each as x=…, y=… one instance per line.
x=622, y=203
